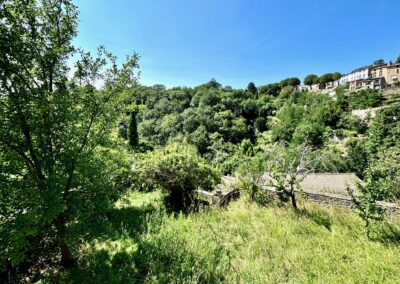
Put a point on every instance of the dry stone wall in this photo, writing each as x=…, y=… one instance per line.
x=338, y=200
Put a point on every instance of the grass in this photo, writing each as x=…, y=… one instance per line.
x=243, y=243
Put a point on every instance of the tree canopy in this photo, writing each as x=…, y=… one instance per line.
x=50, y=129
x=311, y=80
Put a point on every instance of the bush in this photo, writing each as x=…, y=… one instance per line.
x=364, y=99
x=352, y=122
x=178, y=170
x=309, y=133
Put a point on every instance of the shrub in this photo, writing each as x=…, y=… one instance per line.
x=178, y=170
x=352, y=122
x=309, y=133
x=364, y=99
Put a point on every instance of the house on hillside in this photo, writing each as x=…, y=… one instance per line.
x=303, y=88
x=375, y=79
x=329, y=85
x=357, y=77
x=317, y=87
x=391, y=73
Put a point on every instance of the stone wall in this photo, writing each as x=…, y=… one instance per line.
x=338, y=200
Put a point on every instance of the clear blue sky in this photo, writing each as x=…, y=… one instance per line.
x=187, y=42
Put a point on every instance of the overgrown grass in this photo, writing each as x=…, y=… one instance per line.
x=243, y=243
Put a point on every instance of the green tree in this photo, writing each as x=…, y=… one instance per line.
x=293, y=82
x=286, y=92
x=398, y=60
x=49, y=129
x=326, y=78
x=132, y=130
x=270, y=89
x=310, y=79
x=379, y=62
x=365, y=199
x=180, y=171
x=251, y=88
x=309, y=133
x=336, y=76
x=364, y=99
x=382, y=184
x=213, y=84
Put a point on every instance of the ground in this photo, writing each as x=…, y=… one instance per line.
x=243, y=243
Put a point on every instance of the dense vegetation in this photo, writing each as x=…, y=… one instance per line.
x=98, y=184
x=244, y=243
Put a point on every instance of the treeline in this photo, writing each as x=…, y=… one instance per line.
x=220, y=120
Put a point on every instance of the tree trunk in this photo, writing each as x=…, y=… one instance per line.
x=293, y=199
x=67, y=261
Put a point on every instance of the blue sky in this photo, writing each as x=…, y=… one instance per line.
x=188, y=42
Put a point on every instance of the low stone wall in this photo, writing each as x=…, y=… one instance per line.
x=337, y=200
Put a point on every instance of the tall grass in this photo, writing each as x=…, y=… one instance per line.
x=243, y=243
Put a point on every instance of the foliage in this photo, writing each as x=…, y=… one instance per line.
x=310, y=113
x=364, y=99
x=252, y=89
x=311, y=80
x=309, y=133
x=147, y=246
x=270, y=89
x=366, y=199
x=379, y=62
x=385, y=172
x=326, y=78
x=336, y=76
x=251, y=172
x=385, y=129
x=52, y=179
x=179, y=172
x=292, y=82
x=352, y=122
x=357, y=156
x=286, y=92
x=286, y=168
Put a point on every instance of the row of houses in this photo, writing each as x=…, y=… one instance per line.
x=369, y=77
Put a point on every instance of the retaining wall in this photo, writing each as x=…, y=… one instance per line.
x=337, y=200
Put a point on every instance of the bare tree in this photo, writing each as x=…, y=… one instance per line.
x=286, y=168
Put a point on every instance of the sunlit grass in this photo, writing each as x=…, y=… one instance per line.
x=244, y=243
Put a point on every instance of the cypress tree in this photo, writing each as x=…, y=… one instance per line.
x=132, y=130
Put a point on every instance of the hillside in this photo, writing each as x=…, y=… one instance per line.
x=243, y=243
x=106, y=180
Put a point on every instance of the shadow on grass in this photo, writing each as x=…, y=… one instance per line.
x=127, y=256
x=387, y=234
x=117, y=261
x=129, y=221
x=102, y=267
x=319, y=217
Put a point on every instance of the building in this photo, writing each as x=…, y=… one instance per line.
x=344, y=80
x=336, y=83
x=303, y=88
x=375, y=79
x=329, y=85
x=317, y=87
x=391, y=73
x=357, y=77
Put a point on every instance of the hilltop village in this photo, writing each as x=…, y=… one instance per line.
x=377, y=76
